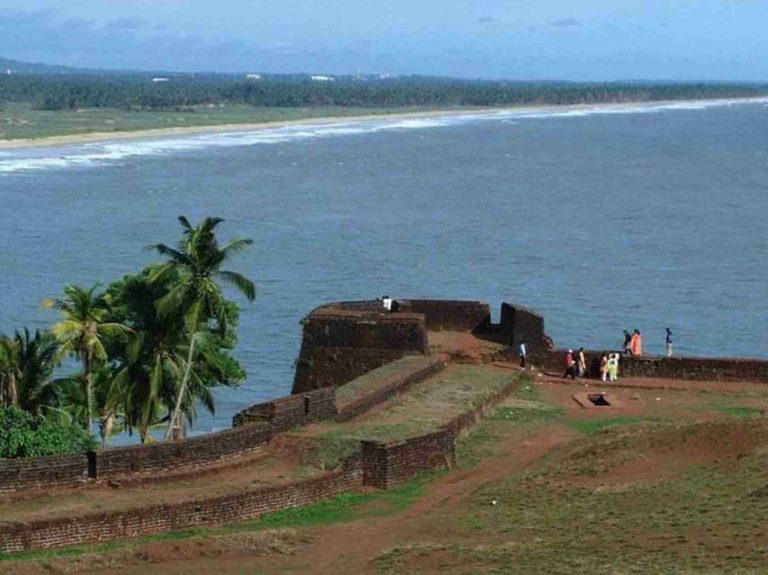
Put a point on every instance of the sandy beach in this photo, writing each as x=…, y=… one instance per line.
x=248, y=127
x=219, y=128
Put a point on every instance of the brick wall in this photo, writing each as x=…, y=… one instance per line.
x=450, y=315
x=385, y=465
x=684, y=368
x=194, y=451
x=520, y=324
x=292, y=410
x=391, y=387
x=339, y=345
x=33, y=472
x=93, y=528
x=468, y=418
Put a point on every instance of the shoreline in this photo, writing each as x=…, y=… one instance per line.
x=95, y=137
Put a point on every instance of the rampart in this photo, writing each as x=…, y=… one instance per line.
x=172, y=455
x=394, y=386
x=99, y=527
x=684, y=368
x=292, y=410
x=343, y=340
x=340, y=344
x=36, y=472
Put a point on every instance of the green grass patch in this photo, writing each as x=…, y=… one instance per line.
x=740, y=411
x=704, y=519
x=19, y=120
x=373, y=380
x=591, y=426
x=427, y=407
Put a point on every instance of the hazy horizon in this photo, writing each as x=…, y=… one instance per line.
x=597, y=40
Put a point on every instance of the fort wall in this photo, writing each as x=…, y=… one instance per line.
x=99, y=527
x=36, y=472
x=683, y=368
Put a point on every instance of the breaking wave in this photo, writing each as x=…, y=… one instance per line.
x=113, y=152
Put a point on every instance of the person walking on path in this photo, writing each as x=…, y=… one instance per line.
x=582, y=362
x=668, y=342
x=636, y=344
x=627, y=342
x=570, y=365
x=522, y=355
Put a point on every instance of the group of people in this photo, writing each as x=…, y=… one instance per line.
x=576, y=365
x=609, y=366
x=633, y=343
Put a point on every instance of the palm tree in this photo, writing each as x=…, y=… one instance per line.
x=149, y=366
x=82, y=332
x=26, y=367
x=195, y=294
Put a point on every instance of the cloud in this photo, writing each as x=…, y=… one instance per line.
x=125, y=25
x=565, y=23
x=486, y=20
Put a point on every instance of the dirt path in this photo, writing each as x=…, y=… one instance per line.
x=351, y=547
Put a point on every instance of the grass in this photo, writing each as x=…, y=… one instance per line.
x=522, y=413
x=740, y=411
x=373, y=380
x=424, y=409
x=592, y=426
x=705, y=518
x=19, y=120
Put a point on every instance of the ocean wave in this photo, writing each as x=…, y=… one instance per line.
x=115, y=152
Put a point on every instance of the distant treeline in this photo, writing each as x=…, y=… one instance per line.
x=140, y=92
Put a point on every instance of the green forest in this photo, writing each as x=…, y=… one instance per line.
x=148, y=349
x=179, y=92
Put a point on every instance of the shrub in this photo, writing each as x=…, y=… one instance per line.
x=25, y=435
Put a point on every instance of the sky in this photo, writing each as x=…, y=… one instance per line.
x=592, y=40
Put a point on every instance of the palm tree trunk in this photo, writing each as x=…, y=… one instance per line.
x=13, y=392
x=87, y=388
x=173, y=423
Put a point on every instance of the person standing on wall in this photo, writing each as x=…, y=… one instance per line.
x=581, y=362
x=636, y=344
x=668, y=342
x=627, y=342
x=570, y=365
x=523, y=353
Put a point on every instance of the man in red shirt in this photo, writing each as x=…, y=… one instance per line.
x=570, y=365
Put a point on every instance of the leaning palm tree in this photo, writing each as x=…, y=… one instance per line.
x=195, y=268
x=82, y=333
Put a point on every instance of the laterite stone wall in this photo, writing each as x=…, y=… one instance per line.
x=98, y=527
x=194, y=451
x=385, y=465
x=35, y=472
x=340, y=344
x=292, y=410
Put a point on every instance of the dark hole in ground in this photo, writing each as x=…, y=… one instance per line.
x=599, y=399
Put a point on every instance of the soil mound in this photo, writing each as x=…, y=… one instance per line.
x=626, y=455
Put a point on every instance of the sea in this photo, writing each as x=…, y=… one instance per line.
x=602, y=218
